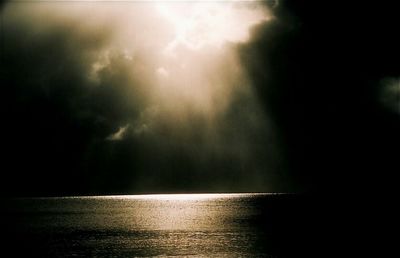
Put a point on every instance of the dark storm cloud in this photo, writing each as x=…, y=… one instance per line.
x=390, y=94
x=52, y=111
x=78, y=118
x=323, y=86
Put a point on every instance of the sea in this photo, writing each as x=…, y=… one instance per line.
x=155, y=225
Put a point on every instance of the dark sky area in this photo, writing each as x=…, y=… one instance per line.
x=326, y=74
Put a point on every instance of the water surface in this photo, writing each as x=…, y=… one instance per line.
x=200, y=225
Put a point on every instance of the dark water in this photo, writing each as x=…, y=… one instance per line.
x=198, y=225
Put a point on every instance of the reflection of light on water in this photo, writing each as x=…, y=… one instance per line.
x=189, y=211
x=170, y=197
x=218, y=225
x=182, y=212
x=186, y=197
x=170, y=212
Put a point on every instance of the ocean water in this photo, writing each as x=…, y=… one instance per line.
x=182, y=225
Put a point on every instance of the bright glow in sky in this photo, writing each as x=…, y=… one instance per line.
x=197, y=66
x=199, y=24
x=180, y=56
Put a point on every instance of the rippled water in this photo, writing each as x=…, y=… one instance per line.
x=208, y=225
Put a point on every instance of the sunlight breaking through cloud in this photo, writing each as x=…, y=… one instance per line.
x=167, y=76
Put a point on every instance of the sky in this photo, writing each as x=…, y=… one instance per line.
x=198, y=96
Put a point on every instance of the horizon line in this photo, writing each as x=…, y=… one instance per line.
x=202, y=194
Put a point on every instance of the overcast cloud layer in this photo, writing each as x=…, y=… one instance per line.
x=119, y=98
x=107, y=97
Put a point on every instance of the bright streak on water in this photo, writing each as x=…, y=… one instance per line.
x=171, y=197
x=219, y=225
